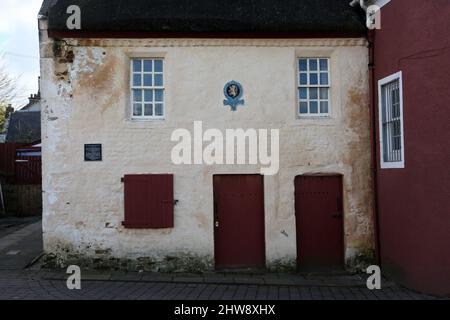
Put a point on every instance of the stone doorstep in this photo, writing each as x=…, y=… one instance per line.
x=211, y=278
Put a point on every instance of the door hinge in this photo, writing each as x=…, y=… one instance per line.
x=174, y=202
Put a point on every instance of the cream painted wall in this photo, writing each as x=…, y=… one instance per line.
x=87, y=101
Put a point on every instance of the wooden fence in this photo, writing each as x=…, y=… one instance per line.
x=21, y=179
x=17, y=169
x=7, y=158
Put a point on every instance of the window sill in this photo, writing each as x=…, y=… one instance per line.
x=138, y=120
x=327, y=117
x=392, y=165
x=145, y=124
x=324, y=121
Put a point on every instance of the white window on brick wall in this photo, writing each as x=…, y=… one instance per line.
x=313, y=87
x=147, y=89
x=391, y=122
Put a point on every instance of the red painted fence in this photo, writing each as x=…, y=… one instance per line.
x=18, y=169
x=28, y=170
x=7, y=158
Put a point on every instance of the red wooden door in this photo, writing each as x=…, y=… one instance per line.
x=319, y=216
x=239, y=221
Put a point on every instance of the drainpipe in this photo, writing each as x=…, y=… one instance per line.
x=373, y=125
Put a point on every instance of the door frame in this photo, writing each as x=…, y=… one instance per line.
x=341, y=193
x=263, y=215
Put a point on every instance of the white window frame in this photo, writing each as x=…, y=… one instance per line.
x=318, y=86
x=381, y=83
x=152, y=87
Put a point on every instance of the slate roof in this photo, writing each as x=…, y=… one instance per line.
x=196, y=17
x=24, y=127
x=46, y=4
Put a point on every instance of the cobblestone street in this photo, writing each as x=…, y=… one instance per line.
x=20, y=279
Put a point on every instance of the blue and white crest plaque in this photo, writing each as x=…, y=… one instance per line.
x=233, y=92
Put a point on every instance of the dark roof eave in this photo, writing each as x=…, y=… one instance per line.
x=64, y=34
x=46, y=5
x=202, y=18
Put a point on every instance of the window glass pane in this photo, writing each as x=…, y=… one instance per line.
x=397, y=144
x=324, y=93
x=324, y=64
x=303, y=107
x=137, y=109
x=313, y=79
x=397, y=128
x=158, y=80
x=312, y=64
x=395, y=96
x=137, y=65
x=148, y=95
x=303, y=66
x=159, y=110
x=148, y=65
x=159, y=95
x=137, y=80
x=148, y=80
x=303, y=93
x=148, y=110
x=324, y=78
x=324, y=107
x=303, y=78
x=137, y=95
x=158, y=66
x=313, y=107
x=313, y=93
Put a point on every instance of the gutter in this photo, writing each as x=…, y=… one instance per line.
x=373, y=126
x=366, y=5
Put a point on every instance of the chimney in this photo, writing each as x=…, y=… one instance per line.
x=34, y=98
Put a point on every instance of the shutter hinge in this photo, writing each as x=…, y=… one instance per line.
x=174, y=202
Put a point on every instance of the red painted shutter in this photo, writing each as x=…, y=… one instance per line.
x=148, y=201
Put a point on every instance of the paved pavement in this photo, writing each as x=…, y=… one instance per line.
x=30, y=286
x=21, y=279
x=11, y=224
x=20, y=242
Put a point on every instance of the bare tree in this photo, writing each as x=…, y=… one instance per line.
x=7, y=93
x=7, y=85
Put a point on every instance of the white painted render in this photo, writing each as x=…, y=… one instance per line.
x=87, y=101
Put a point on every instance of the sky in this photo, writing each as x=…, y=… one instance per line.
x=19, y=45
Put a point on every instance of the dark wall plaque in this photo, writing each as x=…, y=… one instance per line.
x=92, y=152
